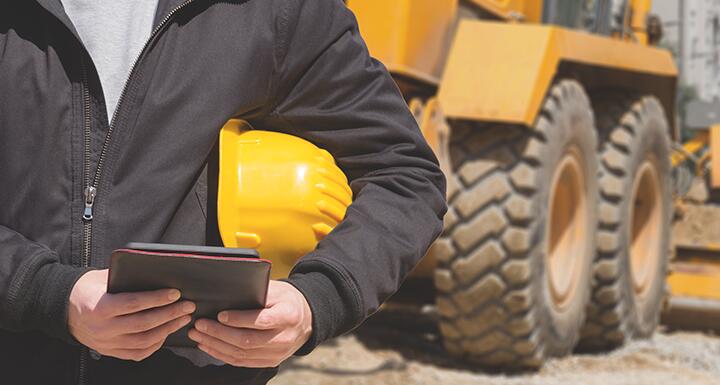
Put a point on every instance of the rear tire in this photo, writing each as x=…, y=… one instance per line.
x=505, y=302
x=634, y=221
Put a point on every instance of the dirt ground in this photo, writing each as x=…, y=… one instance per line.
x=395, y=347
x=667, y=359
x=698, y=224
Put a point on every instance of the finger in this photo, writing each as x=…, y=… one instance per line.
x=129, y=303
x=150, y=319
x=133, y=354
x=264, y=352
x=244, y=363
x=153, y=336
x=242, y=338
x=219, y=345
x=279, y=316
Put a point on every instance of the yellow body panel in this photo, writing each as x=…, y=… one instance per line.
x=715, y=156
x=277, y=193
x=501, y=72
x=696, y=280
x=692, y=147
x=640, y=10
x=697, y=273
x=527, y=11
x=408, y=36
x=705, y=145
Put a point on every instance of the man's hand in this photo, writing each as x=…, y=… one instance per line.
x=129, y=326
x=258, y=338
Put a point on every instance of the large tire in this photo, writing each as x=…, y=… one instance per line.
x=635, y=215
x=495, y=297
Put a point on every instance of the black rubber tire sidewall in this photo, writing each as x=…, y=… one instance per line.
x=651, y=143
x=573, y=127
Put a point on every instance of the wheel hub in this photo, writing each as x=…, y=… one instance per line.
x=645, y=226
x=567, y=229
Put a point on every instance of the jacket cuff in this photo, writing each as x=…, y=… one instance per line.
x=332, y=299
x=46, y=295
x=62, y=279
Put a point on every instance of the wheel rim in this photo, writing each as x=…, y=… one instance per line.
x=645, y=226
x=567, y=229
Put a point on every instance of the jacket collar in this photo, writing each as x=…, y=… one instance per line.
x=56, y=9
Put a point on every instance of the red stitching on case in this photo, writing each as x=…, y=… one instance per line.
x=161, y=254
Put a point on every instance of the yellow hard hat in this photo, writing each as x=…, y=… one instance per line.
x=277, y=193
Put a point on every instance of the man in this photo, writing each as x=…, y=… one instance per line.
x=90, y=161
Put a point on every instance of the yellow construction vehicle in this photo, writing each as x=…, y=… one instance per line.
x=694, y=279
x=699, y=156
x=551, y=122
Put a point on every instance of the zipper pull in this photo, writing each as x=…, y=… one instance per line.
x=90, y=193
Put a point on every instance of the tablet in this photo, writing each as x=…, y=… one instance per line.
x=215, y=278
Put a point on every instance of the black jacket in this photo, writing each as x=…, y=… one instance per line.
x=295, y=66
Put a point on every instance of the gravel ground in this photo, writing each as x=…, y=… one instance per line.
x=405, y=349
x=697, y=225
x=687, y=358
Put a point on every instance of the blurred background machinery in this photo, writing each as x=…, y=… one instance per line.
x=553, y=121
x=694, y=280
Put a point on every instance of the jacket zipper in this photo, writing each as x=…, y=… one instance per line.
x=87, y=225
x=90, y=191
x=91, y=187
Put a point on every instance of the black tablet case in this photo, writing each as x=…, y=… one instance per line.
x=213, y=283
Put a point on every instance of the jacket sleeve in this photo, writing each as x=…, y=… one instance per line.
x=34, y=286
x=329, y=91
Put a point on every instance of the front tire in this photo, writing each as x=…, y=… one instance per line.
x=514, y=262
